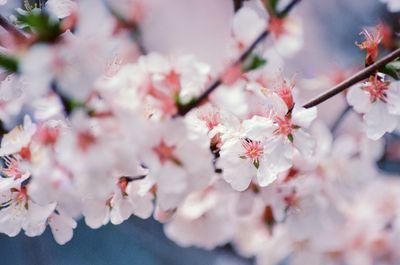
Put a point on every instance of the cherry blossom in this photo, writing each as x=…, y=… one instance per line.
x=377, y=100
x=111, y=110
x=175, y=163
x=197, y=221
x=17, y=140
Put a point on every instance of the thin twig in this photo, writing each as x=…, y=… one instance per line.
x=360, y=76
x=11, y=28
x=183, y=110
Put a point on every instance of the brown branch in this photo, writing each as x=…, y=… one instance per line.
x=11, y=28
x=360, y=76
x=183, y=110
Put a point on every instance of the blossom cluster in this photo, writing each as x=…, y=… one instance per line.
x=96, y=127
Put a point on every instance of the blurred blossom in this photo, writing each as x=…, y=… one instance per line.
x=192, y=113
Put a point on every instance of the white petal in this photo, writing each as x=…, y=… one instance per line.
x=267, y=174
x=304, y=117
x=393, y=98
x=379, y=121
x=9, y=225
x=156, y=63
x=121, y=210
x=142, y=205
x=258, y=128
x=62, y=228
x=293, y=39
x=239, y=175
x=358, y=99
x=278, y=154
x=96, y=213
x=172, y=179
x=236, y=171
x=247, y=25
x=244, y=205
x=304, y=142
x=35, y=221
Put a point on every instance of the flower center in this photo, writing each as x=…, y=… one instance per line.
x=85, y=140
x=25, y=153
x=173, y=81
x=253, y=149
x=48, y=135
x=22, y=195
x=12, y=169
x=284, y=125
x=277, y=26
x=211, y=118
x=376, y=89
x=166, y=153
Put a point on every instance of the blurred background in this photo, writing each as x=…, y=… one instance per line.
x=330, y=30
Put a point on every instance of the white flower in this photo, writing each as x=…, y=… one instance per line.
x=124, y=201
x=242, y=156
x=20, y=212
x=378, y=102
x=202, y=220
x=181, y=75
x=18, y=139
x=177, y=161
x=289, y=128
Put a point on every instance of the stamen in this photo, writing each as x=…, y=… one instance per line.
x=253, y=149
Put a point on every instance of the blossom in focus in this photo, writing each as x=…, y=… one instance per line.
x=377, y=101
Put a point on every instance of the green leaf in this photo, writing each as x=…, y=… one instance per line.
x=42, y=24
x=253, y=62
x=9, y=63
x=290, y=137
x=392, y=69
